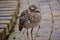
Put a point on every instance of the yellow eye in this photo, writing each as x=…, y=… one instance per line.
x=31, y=18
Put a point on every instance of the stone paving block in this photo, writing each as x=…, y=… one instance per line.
x=23, y=6
x=41, y=38
x=45, y=29
x=56, y=13
x=17, y=35
x=55, y=35
x=54, y=5
x=35, y=30
x=56, y=18
x=23, y=38
x=46, y=24
x=56, y=27
x=45, y=8
x=56, y=8
x=33, y=2
x=57, y=22
x=46, y=17
x=45, y=11
x=42, y=0
x=25, y=1
x=43, y=3
x=44, y=32
x=51, y=0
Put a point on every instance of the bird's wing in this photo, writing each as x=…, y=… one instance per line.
x=22, y=20
x=24, y=17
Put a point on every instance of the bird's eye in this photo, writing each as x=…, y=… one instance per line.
x=31, y=18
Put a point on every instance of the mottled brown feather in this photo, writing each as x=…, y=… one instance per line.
x=30, y=18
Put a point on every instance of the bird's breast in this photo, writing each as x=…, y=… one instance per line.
x=34, y=17
x=30, y=25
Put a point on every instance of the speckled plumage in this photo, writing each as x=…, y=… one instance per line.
x=29, y=18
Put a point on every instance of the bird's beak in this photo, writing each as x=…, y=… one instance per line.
x=37, y=10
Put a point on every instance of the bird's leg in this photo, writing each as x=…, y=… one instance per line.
x=37, y=31
x=24, y=31
x=32, y=33
x=27, y=35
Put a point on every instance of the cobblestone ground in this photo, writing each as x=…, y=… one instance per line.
x=50, y=21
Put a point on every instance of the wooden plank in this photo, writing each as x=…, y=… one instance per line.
x=7, y=9
x=7, y=13
x=5, y=26
x=2, y=34
x=6, y=18
x=8, y=1
x=9, y=5
x=4, y=21
x=9, y=22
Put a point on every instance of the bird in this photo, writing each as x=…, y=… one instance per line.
x=29, y=18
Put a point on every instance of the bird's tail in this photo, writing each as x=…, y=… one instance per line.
x=20, y=28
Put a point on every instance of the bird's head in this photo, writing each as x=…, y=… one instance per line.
x=34, y=8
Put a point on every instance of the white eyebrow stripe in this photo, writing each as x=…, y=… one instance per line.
x=32, y=7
